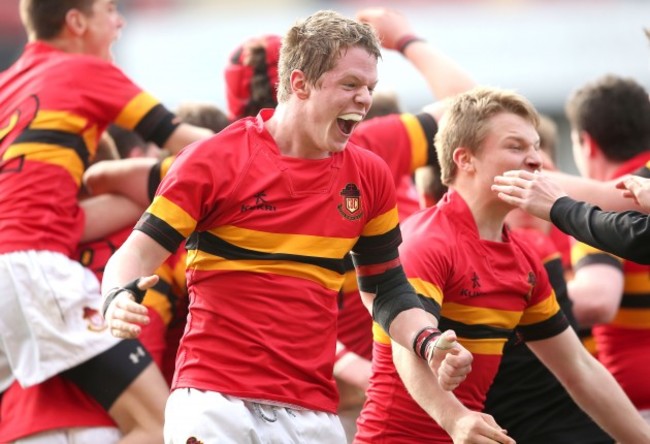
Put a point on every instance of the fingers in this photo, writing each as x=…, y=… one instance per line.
x=446, y=340
x=456, y=363
x=147, y=282
x=495, y=432
x=125, y=317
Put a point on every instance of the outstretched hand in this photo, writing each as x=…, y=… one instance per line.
x=533, y=192
x=449, y=361
x=390, y=25
x=124, y=316
x=637, y=188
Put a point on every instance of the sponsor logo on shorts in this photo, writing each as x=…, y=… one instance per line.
x=94, y=320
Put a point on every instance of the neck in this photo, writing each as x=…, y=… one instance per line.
x=286, y=128
x=72, y=46
x=488, y=211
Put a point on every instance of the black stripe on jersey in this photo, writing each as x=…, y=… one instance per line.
x=154, y=180
x=157, y=125
x=162, y=287
x=211, y=244
x=474, y=331
x=599, y=258
x=160, y=231
x=555, y=271
x=636, y=301
x=378, y=245
x=165, y=288
x=348, y=265
x=554, y=325
x=54, y=137
x=430, y=128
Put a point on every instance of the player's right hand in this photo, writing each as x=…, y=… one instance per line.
x=125, y=317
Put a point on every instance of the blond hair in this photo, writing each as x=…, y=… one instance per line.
x=315, y=45
x=466, y=123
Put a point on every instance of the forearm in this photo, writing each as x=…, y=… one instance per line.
x=128, y=177
x=599, y=395
x=422, y=385
x=139, y=256
x=107, y=214
x=443, y=75
x=352, y=368
x=603, y=194
x=623, y=234
x=407, y=324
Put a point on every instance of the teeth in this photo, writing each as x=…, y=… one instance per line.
x=351, y=116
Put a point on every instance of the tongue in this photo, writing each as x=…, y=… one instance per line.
x=345, y=126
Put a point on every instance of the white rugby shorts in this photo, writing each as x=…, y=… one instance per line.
x=50, y=318
x=211, y=417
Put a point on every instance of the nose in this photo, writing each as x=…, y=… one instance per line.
x=534, y=159
x=364, y=97
x=121, y=21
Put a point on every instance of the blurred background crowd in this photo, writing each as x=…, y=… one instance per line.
x=177, y=49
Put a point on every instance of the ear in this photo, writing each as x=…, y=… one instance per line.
x=590, y=147
x=463, y=159
x=299, y=85
x=75, y=22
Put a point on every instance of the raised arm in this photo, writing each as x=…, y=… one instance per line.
x=183, y=135
x=443, y=75
x=625, y=234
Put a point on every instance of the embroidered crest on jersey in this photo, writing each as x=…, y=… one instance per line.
x=260, y=204
x=532, y=281
x=351, y=206
x=94, y=319
x=193, y=440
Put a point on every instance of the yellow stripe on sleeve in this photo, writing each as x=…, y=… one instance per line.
x=135, y=110
x=419, y=143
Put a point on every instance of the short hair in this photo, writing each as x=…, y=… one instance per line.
x=204, y=115
x=615, y=112
x=466, y=123
x=44, y=19
x=315, y=45
x=126, y=141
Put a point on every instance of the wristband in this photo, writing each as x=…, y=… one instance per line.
x=406, y=40
x=422, y=340
x=131, y=287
